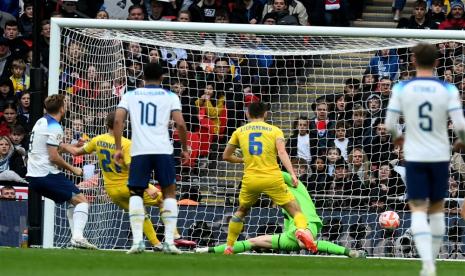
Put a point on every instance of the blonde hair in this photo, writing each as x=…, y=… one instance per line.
x=363, y=171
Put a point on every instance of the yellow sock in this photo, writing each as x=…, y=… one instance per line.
x=150, y=232
x=300, y=221
x=234, y=230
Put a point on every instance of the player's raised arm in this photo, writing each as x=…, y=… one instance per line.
x=284, y=157
x=118, y=126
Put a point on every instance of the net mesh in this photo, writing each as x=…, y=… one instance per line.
x=328, y=95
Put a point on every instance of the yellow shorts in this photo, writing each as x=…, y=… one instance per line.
x=275, y=188
x=120, y=196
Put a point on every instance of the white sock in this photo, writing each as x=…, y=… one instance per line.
x=437, y=223
x=170, y=218
x=80, y=216
x=69, y=214
x=136, y=218
x=422, y=236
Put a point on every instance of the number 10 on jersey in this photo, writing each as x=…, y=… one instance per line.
x=148, y=113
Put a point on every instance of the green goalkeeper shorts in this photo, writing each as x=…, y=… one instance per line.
x=287, y=241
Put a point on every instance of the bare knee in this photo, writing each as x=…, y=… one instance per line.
x=169, y=191
x=436, y=207
x=79, y=198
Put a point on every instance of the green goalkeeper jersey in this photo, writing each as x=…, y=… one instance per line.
x=306, y=204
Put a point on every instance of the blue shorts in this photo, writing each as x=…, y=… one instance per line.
x=140, y=170
x=54, y=186
x=427, y=180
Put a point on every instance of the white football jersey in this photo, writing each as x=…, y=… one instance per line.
x=150, y=110
x=47, y=131
x=425, y=103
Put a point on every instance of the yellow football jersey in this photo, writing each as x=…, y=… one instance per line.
x=104, y=146
x=257, y=141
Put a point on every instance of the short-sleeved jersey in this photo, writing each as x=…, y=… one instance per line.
x=425, y=104
x=46, y=132
x=305, y=202
x=257, y=141
x=104, y=146
x=150, y=112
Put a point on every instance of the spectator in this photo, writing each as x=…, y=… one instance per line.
x=335, y=13
x=321, y=130
x=5, y=17
x=25, y=21
x=384, y=64
x=19, y=78
x=319, y=180
x=374, y=108
x=207, y=60
x=44, y=42
x=398, y=163
x=339, y=112
x=136, y=12
x=69, y=9
x=7, y=193
x=341, y=141
x=419, y=19
x=204, y=11
x=19, y=140
x=10, y=119
x=134, y=74
x=352, y=93
x=458, y=68
x=212, y=117
x=270, y=19
x=455, y=19
x=298, y=145
x=161, y=11
x=360, y=166
x=155, y=57
x=436, y=13
x=184, y=73
x=300, y=167
x=369, y=83
x=384, y=90
x=24, y=105
x=358, y=124
x=292, y=7
x=333, y=155
x=12, y=167
x=17, y=46
x=102, y=14
x=184, y=16
x=247, y=12
x=88, y=85
x=378, y=145
x=345, y=183
x=6, y=93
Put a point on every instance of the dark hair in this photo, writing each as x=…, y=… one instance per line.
x=185, y=12
x=425, y=55
x=153, y=72
x=136, y=6
x=18, y=129
x=110, y=119
x=420, y=3
x=44, y=22
x=53, y=103
x=257, y=109
x=340, y=124
x=11, y=23
x=222, y=12
x=11, y=106
x=295, y=131
x=352, y=81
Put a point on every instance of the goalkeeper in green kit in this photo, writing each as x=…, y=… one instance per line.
x=287, y=241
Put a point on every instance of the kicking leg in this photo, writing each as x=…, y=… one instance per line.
x=79, y=221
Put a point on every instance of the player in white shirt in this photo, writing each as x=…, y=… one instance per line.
x=44, y=164
x=426, y=104
x=151, y=109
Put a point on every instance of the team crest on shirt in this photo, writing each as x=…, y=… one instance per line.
x=59, y=137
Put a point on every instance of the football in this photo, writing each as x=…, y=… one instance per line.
x=389, y=220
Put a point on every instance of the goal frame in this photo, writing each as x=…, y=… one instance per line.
x=57, y=24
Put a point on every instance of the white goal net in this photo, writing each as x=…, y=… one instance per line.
x=327, y=93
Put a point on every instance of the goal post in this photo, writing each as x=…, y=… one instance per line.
x=295, y=69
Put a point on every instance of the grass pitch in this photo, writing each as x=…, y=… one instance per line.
x=48, y=262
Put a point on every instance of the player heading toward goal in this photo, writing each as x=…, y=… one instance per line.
x=151, y=109
x=260, y=143
x=115, y=178
x=426, y=104
x=43, y=169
